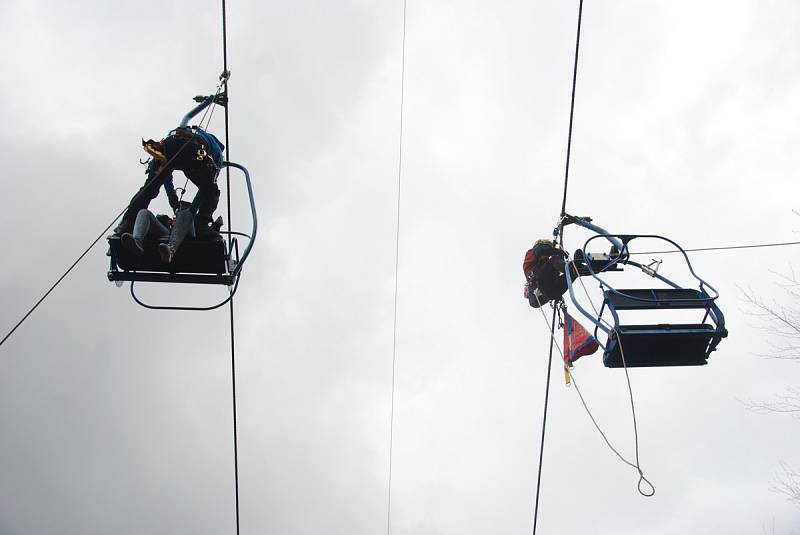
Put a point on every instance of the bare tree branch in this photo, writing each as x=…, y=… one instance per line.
x=787, y=404
x=783, y=323
x=787, y=482
x=780, y=321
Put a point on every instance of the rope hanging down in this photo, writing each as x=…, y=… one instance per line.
x=396, y=272
x=636, y=464
x=559, y=238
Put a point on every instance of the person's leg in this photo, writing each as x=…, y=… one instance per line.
x=550, y=279
x=184, y=225
x=148, y=192
x=142, y=225
x=207, y=196
x=146, y=225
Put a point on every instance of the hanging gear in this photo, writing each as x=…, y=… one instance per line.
x=578, y=342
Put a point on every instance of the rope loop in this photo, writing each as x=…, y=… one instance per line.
x=643, y=479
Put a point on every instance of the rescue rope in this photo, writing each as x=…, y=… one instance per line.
x=147, y=184
x=559, y=237
x=62, y=277
x=396, y=272
x=637, y=465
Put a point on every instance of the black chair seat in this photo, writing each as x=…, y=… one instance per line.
x=659, y=345
x=193, y=256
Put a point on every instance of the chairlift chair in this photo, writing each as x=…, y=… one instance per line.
x=647, y=345
x=214, y=261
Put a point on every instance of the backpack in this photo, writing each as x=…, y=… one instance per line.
x=541, y=251
x=191, y=150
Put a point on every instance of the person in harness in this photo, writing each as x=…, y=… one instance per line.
x=543, y=266
x=196, y=153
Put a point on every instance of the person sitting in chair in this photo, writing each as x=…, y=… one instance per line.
x=156, y=227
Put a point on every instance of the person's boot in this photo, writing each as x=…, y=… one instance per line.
x=122, y=228
x=204, y=229
x=125, y=224
x=132, y=244
x=167, y=252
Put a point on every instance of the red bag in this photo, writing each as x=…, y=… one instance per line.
x=577, y=340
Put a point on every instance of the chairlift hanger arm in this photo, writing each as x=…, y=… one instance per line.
x=205, y=102
x=586, y=223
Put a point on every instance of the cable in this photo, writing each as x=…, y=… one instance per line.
x=571, y=112
x=235, y=426
x=544, y=416
x=396, y=271
x=20, y=322
x=232, y=324
x=724, y=248
x=561, y=238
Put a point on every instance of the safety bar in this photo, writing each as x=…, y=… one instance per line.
x=246, y=253
x=621, y=242
x=625, y=239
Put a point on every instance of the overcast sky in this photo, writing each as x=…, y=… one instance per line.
x=116, y=418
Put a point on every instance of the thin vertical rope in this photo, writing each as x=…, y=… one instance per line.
x=396, y=271
x=233, y=331
x=560, y=238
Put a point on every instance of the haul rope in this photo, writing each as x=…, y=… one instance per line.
x=559, y=238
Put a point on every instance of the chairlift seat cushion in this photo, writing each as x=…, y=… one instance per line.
x=659, y=345
x=193, y=256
